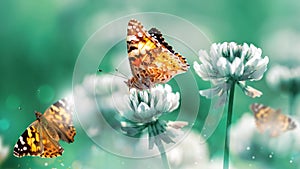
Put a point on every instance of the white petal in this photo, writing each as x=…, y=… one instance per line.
x=256, y=71
x=223, y=66
x=250, y=91
x=237, y=67
x=214, y=51
x=174, y=102
x=221, y=100
x=212, y=92
x=204, y=57
x=177, y=124
x=143, y=107
x=204, y=71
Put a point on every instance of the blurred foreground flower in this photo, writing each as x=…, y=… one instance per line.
x=3, y=151
x=145, y=109
x=285, y=79
x=230, y=63
x=181, y=157
x=96, y=96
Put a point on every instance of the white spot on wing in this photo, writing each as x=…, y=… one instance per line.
x=140, y=34
x=132, y=38
x=21, y=140
x=62, y=103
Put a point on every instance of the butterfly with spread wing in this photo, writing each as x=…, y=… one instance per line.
x=152, y=60
x=270, y=120
x=42, y=136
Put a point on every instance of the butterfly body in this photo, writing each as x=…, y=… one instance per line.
x=152, y=60
x=270, y=120
x=42, y=136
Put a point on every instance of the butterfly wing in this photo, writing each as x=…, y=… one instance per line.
x=272, y=121
x=42, y=136
x=30, y=142
x=51, y=147
x=151, y=59
x=60, y=116
x=286, y=122
x=172, y=62
x=36, y=141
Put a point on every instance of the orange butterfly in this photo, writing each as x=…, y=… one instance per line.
x=151, y=59
x=42, y=136
x=272, y=121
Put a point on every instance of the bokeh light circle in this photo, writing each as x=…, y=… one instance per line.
x=45, y=93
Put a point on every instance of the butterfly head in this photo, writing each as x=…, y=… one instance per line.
x=38, y=115
x=135, y=83
x=255, y=107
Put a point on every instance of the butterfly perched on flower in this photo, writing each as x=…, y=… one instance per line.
x=152, y=60
x=270, y=120
x=41, y=137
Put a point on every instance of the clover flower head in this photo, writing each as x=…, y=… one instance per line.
x=147, y=106
x=230, y=63
x=145, y=109
x=284, y=79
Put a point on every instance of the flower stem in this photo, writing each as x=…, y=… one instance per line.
x=227, y=133
x=292, y=103
x=163, y=156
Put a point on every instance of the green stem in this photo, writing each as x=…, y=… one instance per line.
x=163, y=156
x=227, y=136
x=153, y=128
x=292, y=103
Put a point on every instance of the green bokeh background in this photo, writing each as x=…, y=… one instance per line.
x=40, y=42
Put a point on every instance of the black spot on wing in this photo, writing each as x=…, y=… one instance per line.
x=155, y=33
x=131, y=48
x=60, y=103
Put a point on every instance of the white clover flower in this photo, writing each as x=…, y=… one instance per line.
x=145, y=109
x=148, y=106
x=230, y=63
x=285, y=79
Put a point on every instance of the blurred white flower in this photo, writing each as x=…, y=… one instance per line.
x=191, y=151
x=145, y=109
x=217, y=163
x=97, y=94
x=242, y=134
x=285, y=79
x=283, y=45
x=3, y=151
x=230, y=63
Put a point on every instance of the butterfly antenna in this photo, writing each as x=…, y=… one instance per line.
x=121, y=75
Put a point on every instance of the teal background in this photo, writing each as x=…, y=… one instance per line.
x=40, y=41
